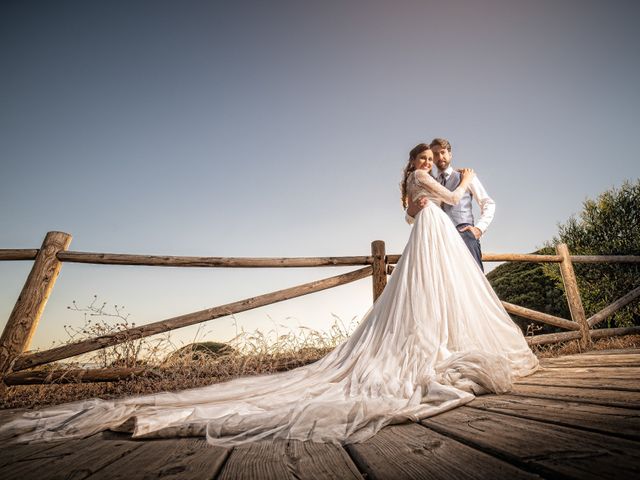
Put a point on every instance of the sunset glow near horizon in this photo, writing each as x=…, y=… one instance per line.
x=280, y=129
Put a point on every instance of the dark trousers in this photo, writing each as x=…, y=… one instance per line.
x=472, y=243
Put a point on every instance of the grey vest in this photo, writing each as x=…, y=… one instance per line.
x=463, y=211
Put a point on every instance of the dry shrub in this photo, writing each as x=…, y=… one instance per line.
x=253, y=353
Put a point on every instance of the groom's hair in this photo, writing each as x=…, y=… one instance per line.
x=440, y=142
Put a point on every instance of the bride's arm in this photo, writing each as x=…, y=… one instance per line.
x=440, y=191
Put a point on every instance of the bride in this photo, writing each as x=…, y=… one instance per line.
x=436, y=336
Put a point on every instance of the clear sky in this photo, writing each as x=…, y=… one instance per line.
x=281, y=128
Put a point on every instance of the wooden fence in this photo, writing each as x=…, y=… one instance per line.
x=16, y=360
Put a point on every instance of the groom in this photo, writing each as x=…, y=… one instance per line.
x=461, y=214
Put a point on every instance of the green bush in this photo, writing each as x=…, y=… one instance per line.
x=608, y=225
x=526, y=284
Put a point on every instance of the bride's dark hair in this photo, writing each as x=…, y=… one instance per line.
x=408, y=170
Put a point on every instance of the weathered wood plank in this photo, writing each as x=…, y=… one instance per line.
x=614, y=307
x=605, y=258
x=229, y=262
x=619, y=351
x=181, y=458
x=597, y=383
x=540, y=316
x=35, y=377
x=24, y=318
x=75, y=459
x=573, y=294
x=14, y=452
x=411, y=451
x=289, y=459
x=624, y=354
x=502, y=257
x=621, y=360
x=379, y=268
x=547, y=338
x=616, y=421
x=630, y=373
x=602, y=397
x=549, y=450
x=18, y=253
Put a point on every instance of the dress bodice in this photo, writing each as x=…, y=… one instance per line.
x=421, y=184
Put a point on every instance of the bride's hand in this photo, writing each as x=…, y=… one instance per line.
x=467, y=173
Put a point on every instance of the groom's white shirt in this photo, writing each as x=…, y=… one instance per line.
x=485, y=202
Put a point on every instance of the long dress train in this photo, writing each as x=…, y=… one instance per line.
x=436, y=336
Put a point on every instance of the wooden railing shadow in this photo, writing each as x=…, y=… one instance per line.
x=16, y=360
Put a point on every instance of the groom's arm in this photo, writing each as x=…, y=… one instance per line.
x=486, y=203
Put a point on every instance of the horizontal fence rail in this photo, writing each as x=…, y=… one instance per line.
x=18, y=253
x=228, y=262
x=276, y=262
x=76, y=375
x=15, y=360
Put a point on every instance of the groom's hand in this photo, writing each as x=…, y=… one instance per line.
x=475, y=230
x=415, y=207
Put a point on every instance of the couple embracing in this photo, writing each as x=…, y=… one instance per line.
x=438, y=152
x=436, y=337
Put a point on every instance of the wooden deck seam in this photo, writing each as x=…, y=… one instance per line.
x=354, y=459
x=500, y=455
x=594, y=365
x=346, y=451
x=414, y=451
x=218, y=472
x=586, y=387
x=572, y=399
x=559, y=423
x=113, y=461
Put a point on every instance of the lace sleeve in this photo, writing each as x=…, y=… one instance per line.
x=441, y=192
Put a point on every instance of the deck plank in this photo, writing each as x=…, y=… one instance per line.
x=182, y=458
x=616, y=421
x=75, y=459
x=612, y=398
x=12, y=453
x=623, y=384
x=290, y=459
x=411, y=451
x=578, y=417
x=609, y=360
x=549, y=450
x=627, y=373
x=619, y=351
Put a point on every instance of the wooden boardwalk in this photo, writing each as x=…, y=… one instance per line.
x=579, y=417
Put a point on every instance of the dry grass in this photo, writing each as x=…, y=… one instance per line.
x=251, y=354
x=178, y=375
x=167, y=368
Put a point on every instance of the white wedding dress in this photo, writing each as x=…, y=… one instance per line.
x=437, y=335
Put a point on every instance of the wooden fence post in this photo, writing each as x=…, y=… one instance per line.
x=379, y=268
x=573, y=295
x=26, y=313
